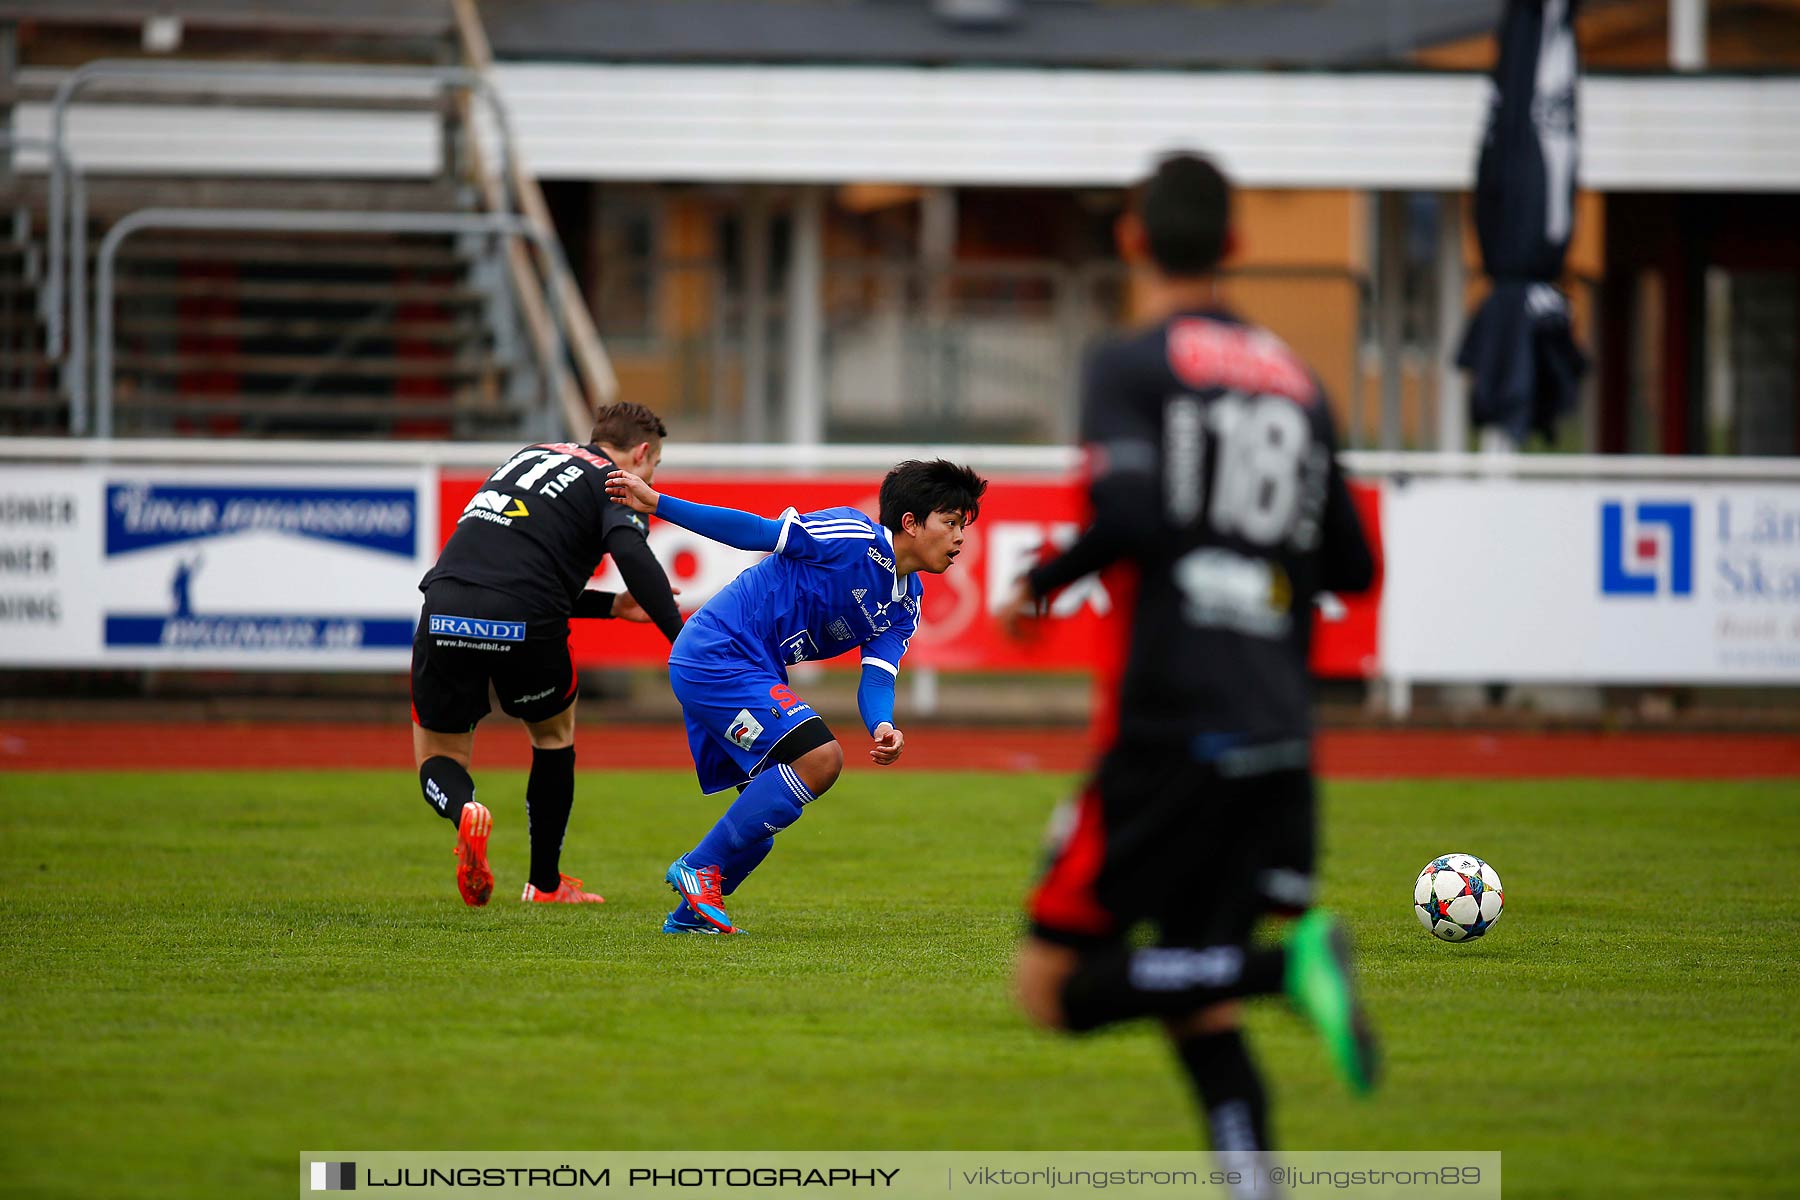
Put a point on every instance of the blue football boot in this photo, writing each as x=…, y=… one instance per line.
x=683, y=920
x=699, y=889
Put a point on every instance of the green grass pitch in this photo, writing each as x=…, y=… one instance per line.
x=206, y=973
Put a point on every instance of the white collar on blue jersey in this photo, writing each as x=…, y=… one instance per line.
x=888, y=536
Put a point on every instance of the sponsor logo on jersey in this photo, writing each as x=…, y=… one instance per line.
x=857, y=594
x=799, y=648
x=1222, y=589
x=1207, y=354
x=786, y=703
x=444, y=625
x=840, y=629
x=498, y=507
x=1173, y=968
x=560, y=484
x=880, y=558
x=744, y=730
x=878, y=620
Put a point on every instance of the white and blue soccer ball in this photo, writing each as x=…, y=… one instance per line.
x=1458, y=897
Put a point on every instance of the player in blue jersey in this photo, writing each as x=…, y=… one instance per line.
x=834, y=581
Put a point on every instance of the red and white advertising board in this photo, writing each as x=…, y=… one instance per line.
x=958, y=631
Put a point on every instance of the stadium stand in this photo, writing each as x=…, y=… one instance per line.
x=408, y=324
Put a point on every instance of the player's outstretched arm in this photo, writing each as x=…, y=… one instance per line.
x=875, y=700
x=626, y=608
x=1096, y=549
x=745, y=531
x=1022, y=606
x=888, y=744
x=646, y=583
x=594, y=604
x=622, y=487
x=1121, y=443
x=1346, y=560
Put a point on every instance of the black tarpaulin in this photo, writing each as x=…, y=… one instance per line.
x=1520, y=348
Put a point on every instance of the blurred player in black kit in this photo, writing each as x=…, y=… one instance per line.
x=1213, y=480
x=497, y=609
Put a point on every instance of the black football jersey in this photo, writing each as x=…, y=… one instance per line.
x=536, y=530
x=1214, y=473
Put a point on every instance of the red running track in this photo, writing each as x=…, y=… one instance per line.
x=1346, y=754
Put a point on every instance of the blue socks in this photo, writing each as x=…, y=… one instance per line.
x=746, y=833
x=735, y=869
x=739, y=863
x=771, y=803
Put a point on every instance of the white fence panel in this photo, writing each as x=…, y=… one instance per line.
x=219, y=566
x=1591, y=582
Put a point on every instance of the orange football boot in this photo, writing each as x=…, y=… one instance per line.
x=473, y=879
x=568, y=892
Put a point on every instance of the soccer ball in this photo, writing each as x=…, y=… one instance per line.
x=1457, y=897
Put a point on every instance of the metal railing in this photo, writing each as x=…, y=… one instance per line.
x=58, y=156
x=545, y=281
x=552, y=366
x=250, y=78
x=599, y=384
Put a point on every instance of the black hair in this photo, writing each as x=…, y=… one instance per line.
x=626, y=424
x=1185, y=207
x=922, y=488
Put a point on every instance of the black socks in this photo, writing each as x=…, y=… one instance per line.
x=1230, y=1090
x=549, y=795
x=447, y=787
x=1119, y=984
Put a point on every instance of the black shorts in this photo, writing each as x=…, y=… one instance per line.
x=1156, y=836
x=469, y=637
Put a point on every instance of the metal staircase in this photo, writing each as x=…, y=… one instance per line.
x=264, y=301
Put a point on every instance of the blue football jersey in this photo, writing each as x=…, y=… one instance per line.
x=829, y=587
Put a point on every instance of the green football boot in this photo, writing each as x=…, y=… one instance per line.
x=1320, y=981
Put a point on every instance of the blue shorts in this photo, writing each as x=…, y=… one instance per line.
x=734, y=718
